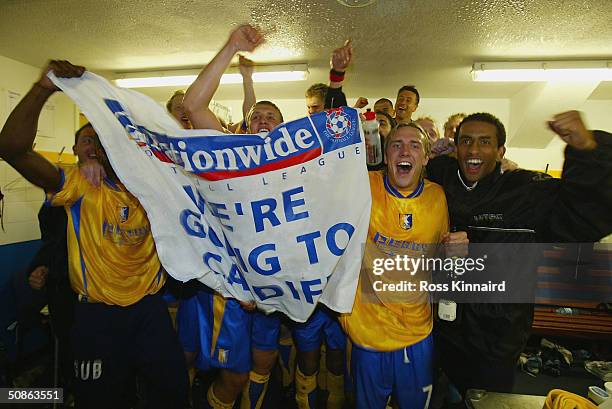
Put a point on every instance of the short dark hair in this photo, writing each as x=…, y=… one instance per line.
x=488, y=118
x=391, y=120
x=410, y=88
x=384, y=100
x=317, y=90
x=269, y=103
x=78, y=132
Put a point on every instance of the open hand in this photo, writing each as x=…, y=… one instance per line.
x=93, y=172
x=442, y=146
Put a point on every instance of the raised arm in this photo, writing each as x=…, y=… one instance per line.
x=246, y=70
x=19, y=131
x=340, y=59
x=200, y=93
x=581, y=211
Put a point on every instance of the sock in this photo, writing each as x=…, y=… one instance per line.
x=254, y=391
x=305, y=390
x=212, y=402
x=335, y=387
x=322, y=377
x=286, y=356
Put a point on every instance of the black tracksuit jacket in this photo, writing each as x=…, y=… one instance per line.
x=519, y=206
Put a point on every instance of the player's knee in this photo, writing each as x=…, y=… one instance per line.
x=309, y=362
x=334, y=359
x=190, y=358
x=263, y=361
x=233, y=382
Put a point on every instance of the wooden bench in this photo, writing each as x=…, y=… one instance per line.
x=577, y=280
x=591, y=324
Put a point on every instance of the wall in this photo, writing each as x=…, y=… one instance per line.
x=56, y=130
x=597, y=114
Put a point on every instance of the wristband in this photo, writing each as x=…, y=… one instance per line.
x=336, y=76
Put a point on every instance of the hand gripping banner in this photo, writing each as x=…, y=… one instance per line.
x=279, y=218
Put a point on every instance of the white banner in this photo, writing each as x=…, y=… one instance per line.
x=279, y=218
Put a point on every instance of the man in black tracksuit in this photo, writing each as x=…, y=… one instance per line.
x=54, y=284
x=480, y=347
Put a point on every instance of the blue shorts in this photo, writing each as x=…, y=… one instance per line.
x=266, y=330
x=217, y=329
x=321, y=326
x=407, y=374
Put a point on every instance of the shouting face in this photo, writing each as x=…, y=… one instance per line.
x=405, y=105
x=178, y=112
x=477, y=150
x=263, y=118
x=405, y=158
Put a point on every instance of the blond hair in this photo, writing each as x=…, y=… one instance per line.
x=177, y=93
x=411, y=124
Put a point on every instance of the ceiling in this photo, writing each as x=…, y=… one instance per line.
x=429, y=43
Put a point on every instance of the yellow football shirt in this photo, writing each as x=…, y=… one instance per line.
x=400, y=223
x=111, y=252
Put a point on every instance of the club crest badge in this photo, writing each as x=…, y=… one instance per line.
x=338, y=124
x=124, y=213
x=405, y=221
x=223, y=356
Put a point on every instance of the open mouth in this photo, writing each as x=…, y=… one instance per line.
x=263, y=130
x=473, y=165
x=403, y=167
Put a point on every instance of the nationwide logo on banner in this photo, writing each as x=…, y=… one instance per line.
x=278, y=218
x=220, y=157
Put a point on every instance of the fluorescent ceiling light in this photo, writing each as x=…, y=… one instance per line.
x=574, y=71
x=146, y=82
x=356, y=3
x=179, y=78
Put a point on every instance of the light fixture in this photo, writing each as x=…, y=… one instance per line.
x=179, y=78
x=543, y=71
x=356, y=3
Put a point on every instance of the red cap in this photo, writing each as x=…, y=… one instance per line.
x=369, y=115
